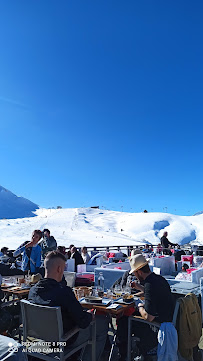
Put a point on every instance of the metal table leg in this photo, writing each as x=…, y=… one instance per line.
x=129, y=340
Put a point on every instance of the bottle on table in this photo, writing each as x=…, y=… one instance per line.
x=100, y=287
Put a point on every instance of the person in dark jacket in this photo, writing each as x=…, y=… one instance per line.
x=77, y=257
x=48, y=243
x=165, y=243
x=158, y=307
x=178, y=253
x=50, y=291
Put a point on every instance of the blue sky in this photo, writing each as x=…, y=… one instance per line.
x=101, y=103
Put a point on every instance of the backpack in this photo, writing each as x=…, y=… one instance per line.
x=189, y=325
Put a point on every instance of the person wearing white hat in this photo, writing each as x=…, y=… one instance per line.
x=156, y=291
x=158, y=306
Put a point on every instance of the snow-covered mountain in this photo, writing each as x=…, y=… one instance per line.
x=198, y=213
x=12, y=206
x=95, y=227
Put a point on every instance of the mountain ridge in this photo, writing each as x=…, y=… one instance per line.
x=12, y=206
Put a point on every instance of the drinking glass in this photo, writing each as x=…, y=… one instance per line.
x=94, y=292
x=127, y=290
x=21, y=281
x=100, y=291
x=118, y=290
x=14, y=281
x=109, y=294
x=80, y=294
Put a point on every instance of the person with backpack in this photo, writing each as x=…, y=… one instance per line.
x=31, y=253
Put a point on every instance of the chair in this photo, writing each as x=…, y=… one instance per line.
x=70, y=278
x=153, y=324
x=45, y=324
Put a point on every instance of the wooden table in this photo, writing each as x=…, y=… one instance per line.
x=102, y=308
x=113, y=314
x=15, y=292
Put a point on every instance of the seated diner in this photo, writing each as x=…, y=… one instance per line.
x=158, y=306
x=50, y=291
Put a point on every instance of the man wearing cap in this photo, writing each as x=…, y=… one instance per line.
x=158, y=306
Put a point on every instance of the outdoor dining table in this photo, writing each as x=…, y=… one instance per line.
x=103, y=308
x=113, y=313
x=15, y=291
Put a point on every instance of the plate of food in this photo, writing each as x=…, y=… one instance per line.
x=93, y=299
x=126, y=299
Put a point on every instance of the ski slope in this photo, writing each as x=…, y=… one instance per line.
x=94, y=227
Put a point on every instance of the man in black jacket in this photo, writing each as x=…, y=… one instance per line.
x=50, y=291
x=165, y=242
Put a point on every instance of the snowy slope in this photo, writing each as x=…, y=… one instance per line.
x=12, y=206
x=94, y=227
